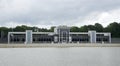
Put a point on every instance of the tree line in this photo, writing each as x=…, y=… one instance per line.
x=113, y=28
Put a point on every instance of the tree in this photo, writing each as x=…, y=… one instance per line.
x=98, y=27
x=52, y=29
x=74, y=29
x=91, y=27
x=84, y=28
x=114, y=28
x=3, y=32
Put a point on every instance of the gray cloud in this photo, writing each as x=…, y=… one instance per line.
x=53, y=12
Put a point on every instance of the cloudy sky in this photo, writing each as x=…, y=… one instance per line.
x=46, y=13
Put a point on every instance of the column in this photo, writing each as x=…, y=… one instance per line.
x=8, y=38
x=28, y=36
x=55, y=39
x=92, y=35
x=70, y=39
x=109, y=37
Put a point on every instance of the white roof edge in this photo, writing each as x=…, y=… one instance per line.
x=42, y=32
x=103, y=33
x=17, y=32
x=78, y=32
x=48, y=32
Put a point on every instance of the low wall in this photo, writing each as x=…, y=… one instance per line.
x=115, y=40
x=56, y=45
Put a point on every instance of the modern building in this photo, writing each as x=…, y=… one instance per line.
x=61, y=34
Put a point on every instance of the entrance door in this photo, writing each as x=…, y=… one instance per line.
x=64, y=37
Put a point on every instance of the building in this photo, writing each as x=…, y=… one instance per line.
x=61, y=34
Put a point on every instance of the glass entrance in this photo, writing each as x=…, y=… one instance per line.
x=64, y=37
x=63, y=34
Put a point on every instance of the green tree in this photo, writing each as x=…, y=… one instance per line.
x=98, y=27
x=114, y=28
x=74, y=29
x=52, y=29
x=83, y=28
x=3, y=32
x=91, y=27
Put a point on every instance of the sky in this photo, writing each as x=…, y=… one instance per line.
x=47, y=13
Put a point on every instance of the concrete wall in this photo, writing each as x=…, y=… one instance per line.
x=115, y=40
x=3, y=40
